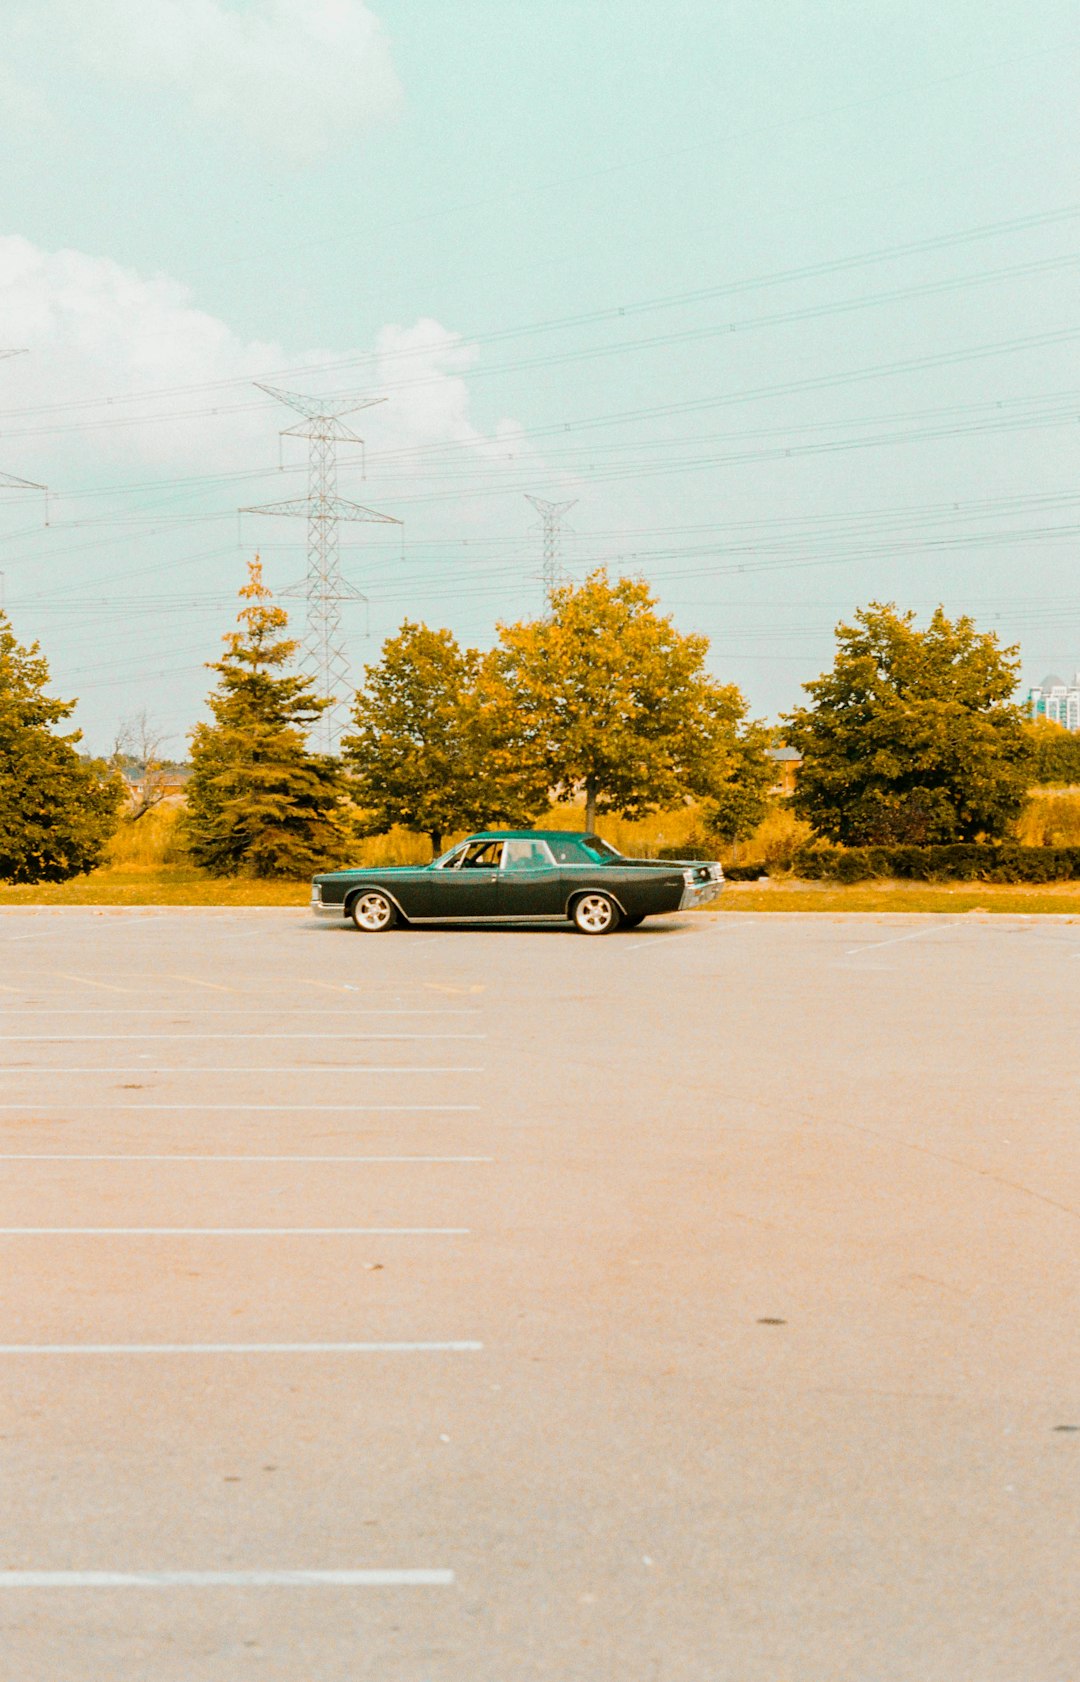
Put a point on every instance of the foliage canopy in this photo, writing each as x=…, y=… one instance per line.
x=436, y=745
x=57, y=811
x=613, y=700
x=1056, y=751
x=912, y=736
x=259, y=801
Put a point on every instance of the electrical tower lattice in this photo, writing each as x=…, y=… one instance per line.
x=551, y=516
x=324, y=587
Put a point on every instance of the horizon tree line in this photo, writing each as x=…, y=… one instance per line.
x=912, y=736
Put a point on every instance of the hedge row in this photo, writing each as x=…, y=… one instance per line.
x=962, y=862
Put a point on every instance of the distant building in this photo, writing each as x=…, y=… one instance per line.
x=1056, y=700
x=786, y=761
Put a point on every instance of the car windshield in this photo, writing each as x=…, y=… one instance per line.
x=447, y=861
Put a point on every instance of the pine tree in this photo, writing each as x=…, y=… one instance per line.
x=260, y=802
x=57, y=811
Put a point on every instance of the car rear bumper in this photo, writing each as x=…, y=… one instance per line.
x=320, y=909
x=698, y=894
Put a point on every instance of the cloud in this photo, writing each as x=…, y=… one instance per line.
x=292, y=76
x=98, y=332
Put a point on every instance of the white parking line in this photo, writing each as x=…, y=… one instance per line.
x=234, y=1231
x=291, y=1109
x=256, y=1069
x=214, y=1010
x=115, y=1039
x=917, y=934
x=462, y=1347
x=216, y=1156
x=381, y=1579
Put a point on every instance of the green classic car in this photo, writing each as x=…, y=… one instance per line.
x=519, y=876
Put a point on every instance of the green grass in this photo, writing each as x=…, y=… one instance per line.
x=1056, y=898
x=182, y=885
x=177, y=885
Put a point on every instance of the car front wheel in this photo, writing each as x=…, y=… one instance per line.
x=595, y=914
x=372, y=912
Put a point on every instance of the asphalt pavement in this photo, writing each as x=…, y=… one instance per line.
x=697, y=1304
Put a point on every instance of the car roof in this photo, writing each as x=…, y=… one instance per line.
x=528, y=835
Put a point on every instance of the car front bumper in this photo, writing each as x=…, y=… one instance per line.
x=321, y=908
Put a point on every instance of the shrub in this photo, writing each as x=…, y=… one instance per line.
x=952, y=862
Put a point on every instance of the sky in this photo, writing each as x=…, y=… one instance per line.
x=782, y=296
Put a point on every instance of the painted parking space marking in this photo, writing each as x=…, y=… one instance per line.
x=216, y=1011
x=216, y=1156
x=214, y=1034
x=254, y=1069
x=460, y=1346
x=367, y=1579
x=289, y=1109
x=234, y=1231
x=915, y=934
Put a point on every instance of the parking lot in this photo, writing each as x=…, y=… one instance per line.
x=698, y=1304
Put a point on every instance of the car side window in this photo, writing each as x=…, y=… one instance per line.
x=570, y=852
x=526, y=855
x=481, y=855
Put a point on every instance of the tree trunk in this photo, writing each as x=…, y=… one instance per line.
x=590, y=804
x=435, y=837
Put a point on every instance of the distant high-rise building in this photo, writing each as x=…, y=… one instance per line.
x=1057, y=700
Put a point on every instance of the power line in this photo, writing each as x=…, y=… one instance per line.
x=9, y=482
x=616, y=312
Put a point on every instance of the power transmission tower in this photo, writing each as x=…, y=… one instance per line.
x=324, y=587
x=8, y=482
x=551, y=516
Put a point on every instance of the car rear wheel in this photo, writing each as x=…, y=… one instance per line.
x=372, y=912
x=595, y=914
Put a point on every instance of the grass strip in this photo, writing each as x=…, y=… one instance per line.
x=186, y=886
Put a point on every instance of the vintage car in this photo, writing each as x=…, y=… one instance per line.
x=519, y=876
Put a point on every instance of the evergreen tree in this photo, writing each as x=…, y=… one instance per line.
x=436, y=747
x=913, y=735
x=259, y=801
x=57, y=811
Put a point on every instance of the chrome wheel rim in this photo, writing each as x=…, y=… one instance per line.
x=372, y=912
x=594, y=913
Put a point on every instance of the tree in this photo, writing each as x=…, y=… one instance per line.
x=57, y=809
x=1057, y=751
x=137, y=748
x=733, y=808
x=259, y=802
x=435, y=746
x=615, y=702
x=913, y=736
